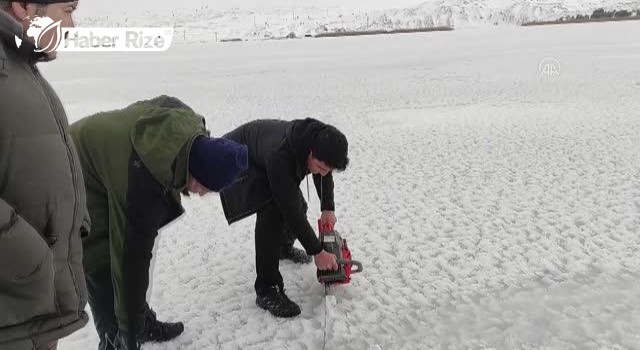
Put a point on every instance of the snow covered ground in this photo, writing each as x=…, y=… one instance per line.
x=493, y=200
x=200, y=20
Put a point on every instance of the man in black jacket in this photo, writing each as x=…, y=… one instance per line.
x=281, y=155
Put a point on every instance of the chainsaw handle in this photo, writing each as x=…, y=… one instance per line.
x=352, y=263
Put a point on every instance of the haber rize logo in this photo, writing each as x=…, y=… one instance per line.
x=46, y=34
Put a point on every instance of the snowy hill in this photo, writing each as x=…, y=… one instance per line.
x=196, y=20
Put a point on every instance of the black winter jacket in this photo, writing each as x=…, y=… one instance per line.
x=278, y=152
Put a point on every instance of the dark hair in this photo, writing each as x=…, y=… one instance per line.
x=331, y=147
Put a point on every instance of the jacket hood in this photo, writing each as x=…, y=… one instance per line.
x=163, y=135
x=302, y=135
x=9, y=28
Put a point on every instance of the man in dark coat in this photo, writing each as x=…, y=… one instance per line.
x=43, y=212
x=137, y=161
x=281, y=155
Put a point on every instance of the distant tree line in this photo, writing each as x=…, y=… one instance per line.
x=602, y=14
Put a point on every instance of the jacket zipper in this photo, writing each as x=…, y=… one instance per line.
x=74, y=179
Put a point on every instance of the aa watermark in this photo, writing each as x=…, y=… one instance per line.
x=549, y=67
x=49, y=36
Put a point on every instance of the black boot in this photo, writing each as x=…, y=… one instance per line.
x=157, y=331
x=296, y=255
x=274, y=300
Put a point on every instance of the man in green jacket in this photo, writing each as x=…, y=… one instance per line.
x=42, y=199
x=136, y=162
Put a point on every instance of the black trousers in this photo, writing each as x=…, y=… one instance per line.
x=101, y=301
x=271, y=237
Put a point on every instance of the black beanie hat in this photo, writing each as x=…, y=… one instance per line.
x=216, y=163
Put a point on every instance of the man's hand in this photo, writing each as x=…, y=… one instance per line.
x=325, y=261
x=328, y=218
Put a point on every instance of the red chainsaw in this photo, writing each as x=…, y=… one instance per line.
x=333, y=243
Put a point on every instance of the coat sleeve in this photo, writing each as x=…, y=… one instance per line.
x=117, y=227
x=288, y=199
x=134, y=220
x=324, y=187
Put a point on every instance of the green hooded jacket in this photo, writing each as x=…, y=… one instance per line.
x=135, y=163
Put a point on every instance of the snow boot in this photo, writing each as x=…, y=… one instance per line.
x=277, y=303
x=157, y=331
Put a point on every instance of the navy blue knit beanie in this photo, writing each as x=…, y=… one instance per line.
x=216, y=162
